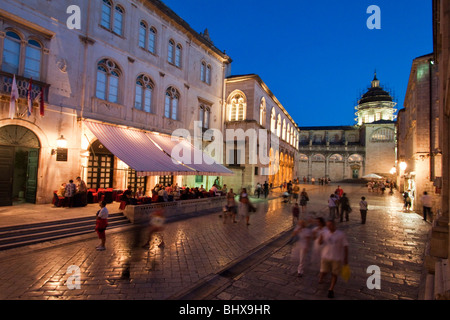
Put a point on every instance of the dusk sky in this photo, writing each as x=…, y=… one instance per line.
x=317, y=57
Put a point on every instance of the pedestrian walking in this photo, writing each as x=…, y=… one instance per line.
x=231, y=206
x=244, y=205
x=426, y=203
x=266, y=189
x=332, y=205
x=101, y=222
x=363, y=207
x=301, y=246
x=304, y=198
x=344, y=208
x=334, y=254
x=295, y=192
x=317, y=247
x=295, y=213
x=156, y=224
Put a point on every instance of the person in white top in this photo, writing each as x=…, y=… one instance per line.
x=101, y=224
x=426, y=203
x=317, y=247
x=301, y=246
x=334, y=254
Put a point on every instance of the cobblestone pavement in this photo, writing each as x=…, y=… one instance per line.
x=199, y=247
x=391, y=239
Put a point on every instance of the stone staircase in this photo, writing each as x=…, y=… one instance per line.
x=22, y=235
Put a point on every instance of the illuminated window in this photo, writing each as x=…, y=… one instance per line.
x=383, y=135
x=237, y=108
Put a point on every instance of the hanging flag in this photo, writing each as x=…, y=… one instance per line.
x=14, y=97
x=30, y=102
x=41, y=104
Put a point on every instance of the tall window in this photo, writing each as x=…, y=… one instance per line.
x=279, y=125
x=11, y=53
x=283, y=130
x=174, y=53
x=33, y=55
x=144, y=90
x=262, y=112
x=237, y=108
x=273, y=120
x=205, y=73
x=22, y=62
x=147, y=37
x=108, y=75
x=112, y=19
x=171, y=103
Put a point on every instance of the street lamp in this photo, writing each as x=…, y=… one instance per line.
x=403, y=165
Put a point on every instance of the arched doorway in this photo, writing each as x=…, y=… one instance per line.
x=19, y=160
x=100, y=167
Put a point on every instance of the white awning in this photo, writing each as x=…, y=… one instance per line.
x=149, y=153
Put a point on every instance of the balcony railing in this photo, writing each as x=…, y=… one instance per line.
x=6, y=80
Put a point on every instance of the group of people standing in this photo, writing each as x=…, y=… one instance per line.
x=339, y=206
x=73, y=194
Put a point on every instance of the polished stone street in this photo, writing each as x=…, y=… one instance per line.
x=198, y=252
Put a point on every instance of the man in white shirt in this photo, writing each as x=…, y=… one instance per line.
x=426, y=203
x=334, y=254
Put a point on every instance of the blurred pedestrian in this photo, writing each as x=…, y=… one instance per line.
x=334, y=254
x=156, y=225
x=344, y=207
x=244, y=205
x=231, y=206
x=317, y=247
x=426, y=203
x=301, y=246
x=295, y=213
x=101, y=223
x=304, y=198
x=332, y=206
x=363, y=207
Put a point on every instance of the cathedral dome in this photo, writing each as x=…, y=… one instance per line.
x=375, y=93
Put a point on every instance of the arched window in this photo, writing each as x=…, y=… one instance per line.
x=318, y=157
x=355, y=158
x=262, y=112
x=108, y=75
x=178, y=49
x=11, y=53
x=33, y=56
x=273, y=120
x=205, y=73
x=106, y=14
x=170, y=51
x=171, y=103
x=144, y=91
x=237, y=108
x=152, y=40
x=142, y=34
x=383, y=135
x=118, y=20
x=283, y=131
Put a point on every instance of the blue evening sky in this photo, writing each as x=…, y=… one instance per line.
x=317, y=57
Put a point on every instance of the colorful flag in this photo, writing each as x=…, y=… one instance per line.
x=41, y=105
x=30, y=102
x=14, y=97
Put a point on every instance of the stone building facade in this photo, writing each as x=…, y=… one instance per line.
x=252, y=107
x=350, y=152
x=418, y=134
x=134, y=64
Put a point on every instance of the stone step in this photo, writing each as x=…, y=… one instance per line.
x=17, y=236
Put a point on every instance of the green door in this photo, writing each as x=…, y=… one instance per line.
x=6, y=175
x=32, y=169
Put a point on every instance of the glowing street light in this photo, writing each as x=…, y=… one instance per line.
x=403, y=165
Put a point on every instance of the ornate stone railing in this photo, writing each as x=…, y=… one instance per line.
x=6, y=80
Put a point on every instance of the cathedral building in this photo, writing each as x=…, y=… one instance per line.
x=351, y=152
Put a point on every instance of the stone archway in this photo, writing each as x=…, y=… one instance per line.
x=19, y=160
